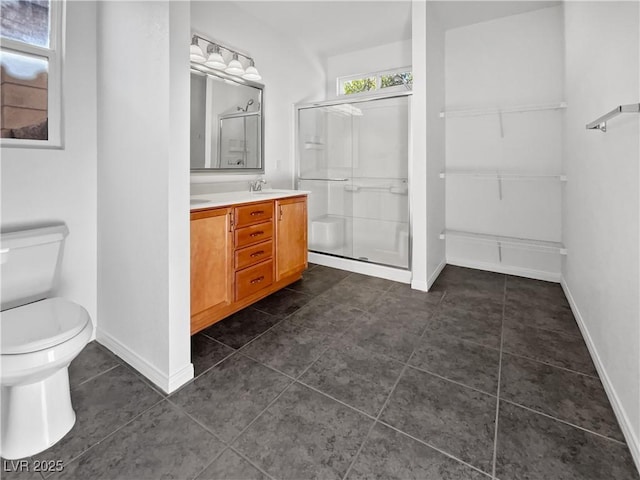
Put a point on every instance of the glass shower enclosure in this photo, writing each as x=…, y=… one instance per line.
x=352, y=155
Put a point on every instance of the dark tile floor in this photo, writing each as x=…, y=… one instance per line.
x=347, y=376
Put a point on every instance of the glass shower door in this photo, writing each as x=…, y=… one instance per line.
x=353, y=157
x=325, y=169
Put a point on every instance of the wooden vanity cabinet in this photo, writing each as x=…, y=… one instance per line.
x=291, y=248
x=211, y=263
x=242, y=253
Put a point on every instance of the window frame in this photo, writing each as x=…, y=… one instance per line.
x=340, y=81
x=54, y=56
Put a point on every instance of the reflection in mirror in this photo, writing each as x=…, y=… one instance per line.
x=226, y=123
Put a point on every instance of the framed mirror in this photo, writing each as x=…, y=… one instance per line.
x=227, y=123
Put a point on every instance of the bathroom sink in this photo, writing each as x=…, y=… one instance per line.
x=271, y=192
x=220, y=199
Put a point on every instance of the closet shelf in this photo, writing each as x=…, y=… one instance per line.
x=475, y=112
x=502, y=175
x=503, y=241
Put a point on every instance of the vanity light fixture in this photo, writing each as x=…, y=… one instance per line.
x=235, y=67
x=215, y=59
x=251, y=73
x=195, y=52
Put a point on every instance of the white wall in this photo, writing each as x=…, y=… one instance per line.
x=290, y=76
x=374, y=59
x=418, y=163
x=508, y=62
x=40, y=185
x=601, y=202
x=143, y=187
x=178, y=254
x=435, y=137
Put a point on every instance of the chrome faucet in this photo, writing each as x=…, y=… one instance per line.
x=256, y=186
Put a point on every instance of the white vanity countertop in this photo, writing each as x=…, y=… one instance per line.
x=212, y=200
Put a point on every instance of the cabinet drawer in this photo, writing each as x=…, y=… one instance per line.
x=253, y=234
x=253, y=254
x=256, y=213
x=252, y=279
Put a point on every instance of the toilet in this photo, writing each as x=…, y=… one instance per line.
x=40, y=336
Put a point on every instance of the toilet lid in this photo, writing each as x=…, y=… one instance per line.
x=41, y=325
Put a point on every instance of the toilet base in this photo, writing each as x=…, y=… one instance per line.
x=36, y=415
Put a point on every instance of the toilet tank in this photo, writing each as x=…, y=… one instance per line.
x=30, y=259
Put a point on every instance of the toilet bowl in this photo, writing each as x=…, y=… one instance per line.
x=38, y=341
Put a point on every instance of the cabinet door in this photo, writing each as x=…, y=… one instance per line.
x=291, y=236
x=211, y=261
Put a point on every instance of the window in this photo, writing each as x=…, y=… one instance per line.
x=359, y=85
x=389, y=80
x=30, y=63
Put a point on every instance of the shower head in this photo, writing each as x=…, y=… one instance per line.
x=246, y=108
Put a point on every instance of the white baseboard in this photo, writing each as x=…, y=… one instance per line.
x=181, y=377
x=93, y=332
x=436, y=273
x=422, y=286
x=390, y=273
x=618, y=409
x=165, y=382
x=506, y=269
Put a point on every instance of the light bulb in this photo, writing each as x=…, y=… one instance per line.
x=215, y=60
x=251, y=73
x=195, y=52
x=235, y=67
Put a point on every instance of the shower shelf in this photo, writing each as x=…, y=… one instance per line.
x=398, y=190
x=313, y=146
x=502, y=176
x=319, y=179
x=503, y=241
x=475, y=112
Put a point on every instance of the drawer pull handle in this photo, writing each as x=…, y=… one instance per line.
x=257, y=254
x=256, y=234
x=257, y=280
x=257, y=212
